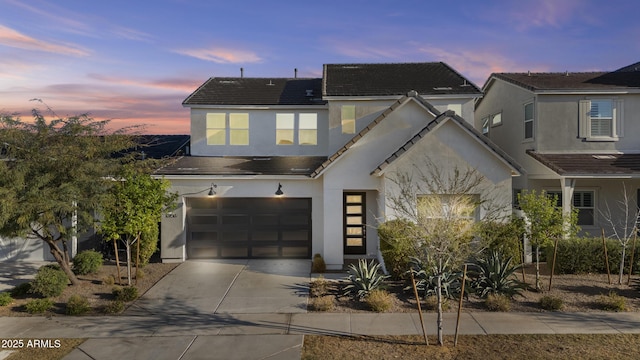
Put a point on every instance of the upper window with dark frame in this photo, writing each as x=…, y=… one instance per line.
x=528, y=121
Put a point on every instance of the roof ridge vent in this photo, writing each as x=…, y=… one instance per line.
x=309, y=93
x=271, y=83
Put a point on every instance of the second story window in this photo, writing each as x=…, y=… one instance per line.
x=348, y=119
x=308, y=129
x=236, y=125
x=528, y=121
x=485, y=126
x=285, y=128
x=601, y=115
x=601, y=119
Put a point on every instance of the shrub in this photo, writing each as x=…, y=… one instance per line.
x=38, y=306
x=114, y=307
x=318, y=265
x=396, y=246
x=21, y=289
x=505, y=238
x=125, y=293
x=109, y=280
x=612, y=302
x=496, y=275
x=322, y=303
x=363, y=279
x=49, y=281
x=140, y=274
x=77, y=305
x=431, y=303
x=379, y=300
x=551, y=303
x=5, y=298
x=318, y=287
x=498, y=302
x=586, y=255
x=87, y=262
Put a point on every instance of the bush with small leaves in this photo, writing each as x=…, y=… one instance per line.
x=363, y=279
x=318, y=287
x=87, y=262
x=38, y=306
x=612, y=302
x=21, y=290
x=5, y=298
x=551, y=303
x=498, y=302
x=322, y=303
x=318, y=265
x=109, y=280
x=50, y=281
x=379, y=300
x=140, y=274
x=125, y=293
x=114, y=307
x=77, y=305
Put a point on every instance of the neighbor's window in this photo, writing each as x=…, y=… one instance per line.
x=216, y=129
x=308, y=129
x=496, y=119
x=284, y=129
x=485, y=126
x=348, y=119
x=238, y=129
x=528, y=121
x=601, y=115
x=583, y=201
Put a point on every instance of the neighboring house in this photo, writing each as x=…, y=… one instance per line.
x=574, y=133
x=34, y=249
x=290, y=167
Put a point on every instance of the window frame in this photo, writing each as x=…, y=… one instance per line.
x=592, y=208
x=529, y=120
x=485, y=125
x=585, y=123
x=282, y=127
x=495, y=122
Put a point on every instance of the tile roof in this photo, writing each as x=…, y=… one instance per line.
x=432, y=78
x=162, y=146
x=257, y=91
x=590, y=164
x=434, y=123
x=624, y=78
x=236, y=165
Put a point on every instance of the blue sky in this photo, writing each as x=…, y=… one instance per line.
x=135, y=61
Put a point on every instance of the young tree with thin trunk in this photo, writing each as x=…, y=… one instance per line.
x=134, y=209
x=53, y=177
x=442, y=207
x=624, y=224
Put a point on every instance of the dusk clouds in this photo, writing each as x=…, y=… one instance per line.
x=135, y=62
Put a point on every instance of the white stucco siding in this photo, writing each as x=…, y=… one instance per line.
x=449, y=147
x=262, y=133
x=173, y=226
x=24, y=249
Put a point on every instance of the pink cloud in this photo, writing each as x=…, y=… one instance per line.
x=176, y=84
x=13, y=38
x=222, y=55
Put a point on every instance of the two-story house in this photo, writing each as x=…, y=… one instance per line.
x=290, y=167
x=574, y=134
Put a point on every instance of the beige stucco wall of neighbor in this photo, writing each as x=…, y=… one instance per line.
x=173, y=230
x=449, y=147
x=262, y=133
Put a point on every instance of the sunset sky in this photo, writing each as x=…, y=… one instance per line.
x=135, y=61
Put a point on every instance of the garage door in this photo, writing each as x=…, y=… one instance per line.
x=248, y=228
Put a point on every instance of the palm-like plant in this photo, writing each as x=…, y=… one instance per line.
x=364, y=278
x=427, y=278
x=496, y=275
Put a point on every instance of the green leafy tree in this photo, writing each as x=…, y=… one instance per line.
x=545, y=222
x=133, y=211
x=54, y=177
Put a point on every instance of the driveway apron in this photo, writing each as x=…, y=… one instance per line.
x=205, y=287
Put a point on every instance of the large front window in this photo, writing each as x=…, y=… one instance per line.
x=307, y=129
x=449, y=206
x=583, y=201
x=233, y=129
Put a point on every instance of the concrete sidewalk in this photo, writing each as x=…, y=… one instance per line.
x=280, y=336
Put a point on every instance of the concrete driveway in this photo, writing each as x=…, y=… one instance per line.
x=205, y=287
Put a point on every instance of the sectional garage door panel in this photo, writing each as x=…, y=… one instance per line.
x=248, y=228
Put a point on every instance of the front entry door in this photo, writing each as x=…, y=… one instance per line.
x=355, y=228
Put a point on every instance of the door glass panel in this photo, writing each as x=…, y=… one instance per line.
x=354, y=209
x=354, y=220
x=354, y=231
x=354, y=242
x=354, y=198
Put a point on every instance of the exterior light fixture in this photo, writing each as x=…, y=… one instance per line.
x=211, y=191
x=279, y=192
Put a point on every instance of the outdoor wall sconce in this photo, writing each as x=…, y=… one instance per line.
x=211, y=191
x=279, y=192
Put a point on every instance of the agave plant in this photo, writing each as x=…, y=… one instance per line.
x=496, y=275
x=427, y=278
x=364, y=278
